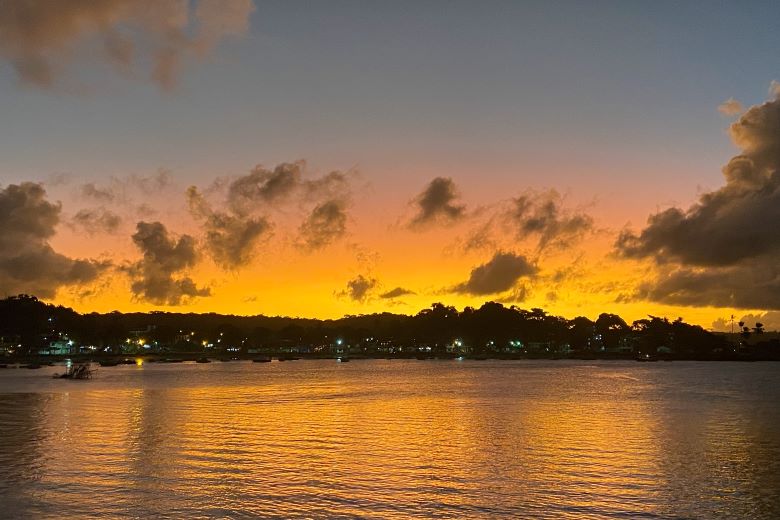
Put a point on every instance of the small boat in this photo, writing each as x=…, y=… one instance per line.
x=261, y=359
x=203, y=360
x=646, y=358
x=342, y=359
x=32, y=366
x=287, y=357
x=107, y=363
x=128, y=361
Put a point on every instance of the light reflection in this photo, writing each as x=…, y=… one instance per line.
x=394, y=439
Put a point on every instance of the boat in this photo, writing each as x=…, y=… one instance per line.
x=203, y=360
x=646, y=358
x=287, y=357
x=107, y=363
x=31, y=366
x=261, y=359
x=342, y=359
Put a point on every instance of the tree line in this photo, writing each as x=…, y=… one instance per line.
x=489, y=329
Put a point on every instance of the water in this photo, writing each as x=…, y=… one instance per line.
x=393, y=439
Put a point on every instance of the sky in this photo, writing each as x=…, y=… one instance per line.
x=320, y=159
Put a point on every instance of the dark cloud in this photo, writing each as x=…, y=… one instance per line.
x=499, y=274
x=264, y=187
x=396, y=293
x=232, y=235
x=230, y=238
x=326, y=223
x=163, y=258
x=40, y=38
x=27, y=261
x=755, y=285
x=97, y=220
x=725, y=249
x=359, y=288
x=437, y=204
x=542, y=215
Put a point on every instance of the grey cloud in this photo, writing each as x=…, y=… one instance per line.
x=230, y=238
x=724, y=249
x=97, y=220
x=542, y=215
x=396, y=293
x=359, y=288
x=91, y=191
x=437, y=204
x=39, y=38
x=27, y=261
x=499, y=274
x=754, y=285
x=263, y=186
x=122, y=190
x=163, y=258
x=326, y=223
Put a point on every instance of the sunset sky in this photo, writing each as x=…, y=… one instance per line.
x=319, y=159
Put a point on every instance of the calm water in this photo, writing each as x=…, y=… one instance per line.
x=393, y=439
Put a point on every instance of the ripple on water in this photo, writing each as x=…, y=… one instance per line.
x=394, y=439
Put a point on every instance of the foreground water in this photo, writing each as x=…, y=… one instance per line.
x=393, y=439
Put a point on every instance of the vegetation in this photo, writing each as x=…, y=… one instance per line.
x=29, y=326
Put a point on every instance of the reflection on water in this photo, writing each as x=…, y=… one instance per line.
x=394, y=439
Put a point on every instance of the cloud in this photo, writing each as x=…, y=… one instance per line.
x=774, y=89
x=396, y=293
x=163, y=257
x=542, y=215
x=231, y=235
x=499, y=274
x=725, y=248
x=42, y=38
x=437, y=204
x=97, y=220
x=326, y=223
x=27, y=261
x=264, y=187
x=359, y=288
x=91, y=191
x=730, y=107
x=230, y=238
x=123, y=190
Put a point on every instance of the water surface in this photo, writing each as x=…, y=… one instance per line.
x=393, y=439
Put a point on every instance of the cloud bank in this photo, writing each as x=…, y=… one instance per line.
x=28, y=264
x=725, y=249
